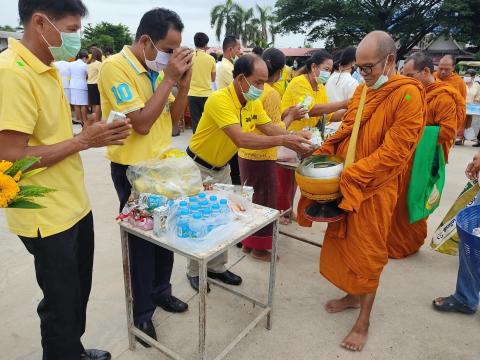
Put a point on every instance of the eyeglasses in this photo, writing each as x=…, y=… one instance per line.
x=367, y=69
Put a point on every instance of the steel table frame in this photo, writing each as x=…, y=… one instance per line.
x=293, y=166
x=203, y=260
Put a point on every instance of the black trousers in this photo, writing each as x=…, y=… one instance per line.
x=150, y=265
x=196, y=105
x=235, y=170
x=63, y=266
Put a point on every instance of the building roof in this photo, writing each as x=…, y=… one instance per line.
x=7, y=34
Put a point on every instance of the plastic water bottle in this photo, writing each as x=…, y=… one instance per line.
x=224, y=212
x=195, y=209
x=216, y=215
x=202, y=196
x=208, y=220
x=204, y=205
x=213, y=200
x=183, y=205
x=183, y=230
x=192, y=200
x=198, y=228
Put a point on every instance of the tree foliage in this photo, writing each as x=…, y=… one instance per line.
x=232, y=19
x=345, y=22
x=106, y=35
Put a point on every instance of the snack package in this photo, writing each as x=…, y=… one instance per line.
x=305, y=104
x=171, y=177
x=114, y=115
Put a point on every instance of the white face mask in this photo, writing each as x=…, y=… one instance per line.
x=160, y=62
x=382, y=78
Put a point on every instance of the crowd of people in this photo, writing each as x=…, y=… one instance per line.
x=246, y=110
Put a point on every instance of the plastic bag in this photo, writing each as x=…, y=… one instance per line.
x=171, y=177
x=445, y=239
x=469, y=134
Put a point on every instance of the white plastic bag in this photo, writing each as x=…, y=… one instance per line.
x=170, y=177
x=469, y=134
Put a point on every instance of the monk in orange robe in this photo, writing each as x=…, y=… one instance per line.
x=355, y=249
x=446, y=73
x=445, y=107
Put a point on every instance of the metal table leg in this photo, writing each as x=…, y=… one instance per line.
x=202, y=314
x=273, y=269
x=128, y=288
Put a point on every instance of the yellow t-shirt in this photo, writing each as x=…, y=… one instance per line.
x=222, y=109
x=270, y=100
x=126, y=86
x=203, y=67
x=225, y=74
x=93, y=69
x=281, y=85
x=296, y=91
x=32, y=101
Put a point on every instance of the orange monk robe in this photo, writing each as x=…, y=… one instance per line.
x=445, y=106
x=459, y=84
x=355, y=249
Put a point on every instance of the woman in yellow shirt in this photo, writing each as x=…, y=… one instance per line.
x=308, y=89
x=257, y=167
x=93, y=70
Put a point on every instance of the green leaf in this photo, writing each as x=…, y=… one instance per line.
x=21, y=165
x=31, y=173
x=23, y=203
x=34, y=191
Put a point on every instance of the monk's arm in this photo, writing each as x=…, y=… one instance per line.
x=447, y=114
x=371, y=173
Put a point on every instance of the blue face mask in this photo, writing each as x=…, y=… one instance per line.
x=323, y=77
x=382, y=79
x=70, y=47
x=253, y=93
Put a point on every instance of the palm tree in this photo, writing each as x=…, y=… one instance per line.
x=242, y=19
x=224, y=15
x=265, y=18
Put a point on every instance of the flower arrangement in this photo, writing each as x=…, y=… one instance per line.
x=12, y=193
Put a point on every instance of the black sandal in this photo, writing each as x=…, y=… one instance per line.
x=450, y=304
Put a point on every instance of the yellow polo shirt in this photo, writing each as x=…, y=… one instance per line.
x=270, y=100
x=225, y=74
x=125, y=86
x=296, y=91
x=203, y=67
x=32, y=101
x=222, y=109
x=93, y=69
x=281, y=85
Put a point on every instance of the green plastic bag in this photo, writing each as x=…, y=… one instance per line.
x=428, y=176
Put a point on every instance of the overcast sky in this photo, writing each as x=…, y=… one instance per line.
x=194, y=13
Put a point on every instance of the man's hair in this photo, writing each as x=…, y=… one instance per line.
x=54, y=9
x=245, y=65
x=421, y=60
x=157, y=22
x=201, y=40
x=275, y=60
x=229, y=41
x=257, y=50
x=82, y=54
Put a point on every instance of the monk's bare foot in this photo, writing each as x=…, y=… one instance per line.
x=338, y=305
x=356, y=339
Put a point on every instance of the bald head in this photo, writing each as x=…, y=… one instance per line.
x=446, y=66
x=376, y=56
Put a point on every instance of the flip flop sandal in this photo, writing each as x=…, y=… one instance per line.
x=450, y=304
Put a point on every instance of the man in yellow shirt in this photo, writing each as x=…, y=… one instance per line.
x=130, y=83
x=203, y=74
x=232, y=49
x=228, y=122
x=35, y=120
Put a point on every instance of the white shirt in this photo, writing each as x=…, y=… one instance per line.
x=78, y=75
x=340, y=86
x=64, y=69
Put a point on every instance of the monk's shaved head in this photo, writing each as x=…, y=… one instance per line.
x=381, y=41
x=376, y=56
x=446, y=66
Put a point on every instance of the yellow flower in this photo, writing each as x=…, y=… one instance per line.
x=5, y=165
x=8, y=190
